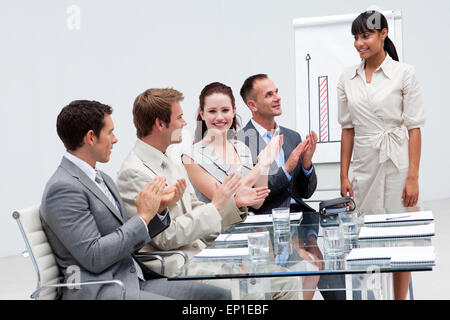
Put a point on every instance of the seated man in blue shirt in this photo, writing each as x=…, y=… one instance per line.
x=292, y=176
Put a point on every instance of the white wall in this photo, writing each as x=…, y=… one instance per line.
x=126, y=47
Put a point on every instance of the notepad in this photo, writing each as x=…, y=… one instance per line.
x=368, y=233
x=267, y=218
x=232, y=237
x=223, y=253
x=395, y=256
x=398, y=219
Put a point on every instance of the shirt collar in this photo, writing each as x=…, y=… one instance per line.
x=262, y=131
x=150, y=154
x=386, y=67
x=83, y=165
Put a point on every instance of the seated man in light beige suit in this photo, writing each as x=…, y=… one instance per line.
x=158, y=118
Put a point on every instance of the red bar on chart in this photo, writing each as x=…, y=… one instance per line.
x=323, y=110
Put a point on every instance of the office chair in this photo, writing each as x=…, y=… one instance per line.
x=48, y=275
x=44, y=262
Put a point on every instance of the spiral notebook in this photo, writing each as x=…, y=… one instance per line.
x=398, y=219
x=371, y=233
x=395, y=256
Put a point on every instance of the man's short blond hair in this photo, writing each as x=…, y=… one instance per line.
x=152, y=104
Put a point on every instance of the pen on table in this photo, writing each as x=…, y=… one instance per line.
x=401, y=217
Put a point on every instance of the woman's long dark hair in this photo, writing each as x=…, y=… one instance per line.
x=373, y=20
x=215, y=87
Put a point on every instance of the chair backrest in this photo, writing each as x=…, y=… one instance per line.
x=39, y=250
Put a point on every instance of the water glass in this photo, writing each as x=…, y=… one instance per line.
x=333, y=241
x=281, y=220
x=258, y=246
x=282, y=248
x=348, y=224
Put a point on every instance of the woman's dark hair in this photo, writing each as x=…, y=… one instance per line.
x=77, y=118
x=215, y=87
x=370, y=21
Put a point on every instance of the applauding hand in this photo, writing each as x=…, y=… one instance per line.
x=246, y=196
x=309, y=150
x=223, y=192
x=271, y=151
x=149, y=199
x=172, y=194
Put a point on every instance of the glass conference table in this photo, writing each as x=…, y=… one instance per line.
x=314, y=271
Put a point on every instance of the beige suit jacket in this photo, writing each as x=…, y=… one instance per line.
x=191, y=219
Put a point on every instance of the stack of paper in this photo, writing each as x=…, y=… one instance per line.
x=223, y=253
x=267, y=218
x=426, y=230
x=397, y=219
x=396, y=256
x=232, y=237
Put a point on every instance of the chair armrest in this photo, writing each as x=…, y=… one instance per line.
x=158, y=255
x=167, y=253
x=146, y=256
x=64, y=285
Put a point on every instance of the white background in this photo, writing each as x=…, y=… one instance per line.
x=125, y=47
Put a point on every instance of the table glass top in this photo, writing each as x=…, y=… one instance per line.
x=299, y=253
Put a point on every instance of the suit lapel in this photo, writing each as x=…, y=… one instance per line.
x=172, y=173
x=254, y=137
x=253, y=140
x=157, y=164
x=90, y=185
x=287, y=146
x=112, y=187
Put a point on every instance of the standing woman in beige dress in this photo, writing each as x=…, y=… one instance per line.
x=379, y=100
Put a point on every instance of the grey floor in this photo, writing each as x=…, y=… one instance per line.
x=18, y=280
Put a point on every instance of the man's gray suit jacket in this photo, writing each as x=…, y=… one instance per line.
x=87, y=233
x=281, y=189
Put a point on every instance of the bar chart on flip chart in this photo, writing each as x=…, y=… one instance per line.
x=324, y=118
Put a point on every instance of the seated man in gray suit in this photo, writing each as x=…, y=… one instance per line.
x=292, y=176
x=87, y=225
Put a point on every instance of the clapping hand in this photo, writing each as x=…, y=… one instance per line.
x=149, y=199
x=309, y=150
x=292, y=161
x=246, y=196
x=271, y=151
x=172, y=194
x=223, y=192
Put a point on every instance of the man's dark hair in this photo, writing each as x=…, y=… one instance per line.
x=77, y=118
x=247, y=87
